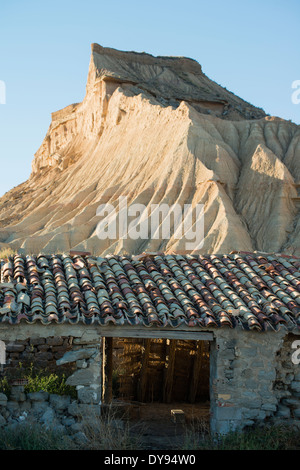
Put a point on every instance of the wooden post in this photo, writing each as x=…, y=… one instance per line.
x=142, y=386
x=103, y=369
x=169, y=371
x=196, y=372
x=108, y=369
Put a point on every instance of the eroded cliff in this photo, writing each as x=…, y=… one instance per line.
x=157, y=130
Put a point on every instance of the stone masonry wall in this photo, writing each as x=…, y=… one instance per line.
x=252, y=376
x=87, y=377
x=287, y=382
x=40, y=352
x=61, y=412
x=243, y=373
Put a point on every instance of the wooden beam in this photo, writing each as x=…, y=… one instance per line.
x=125, y=331
x=93, y=333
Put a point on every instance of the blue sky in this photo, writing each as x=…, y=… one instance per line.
x=250, y=47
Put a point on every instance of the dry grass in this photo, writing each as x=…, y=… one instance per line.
x=31, y=435
x=110, y=431
x=267, y=437
x=5, y=253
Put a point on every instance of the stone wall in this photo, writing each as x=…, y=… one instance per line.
x=87, y=377
x=252, y=376
x=60, y=412
x=40, y=352
x=287, y=383
x=253, y=379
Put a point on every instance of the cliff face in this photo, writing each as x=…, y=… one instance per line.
x=157, y=130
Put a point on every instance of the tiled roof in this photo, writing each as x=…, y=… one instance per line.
x=256, y=292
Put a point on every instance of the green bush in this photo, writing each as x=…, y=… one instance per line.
x=51, y=383
x=38, y=380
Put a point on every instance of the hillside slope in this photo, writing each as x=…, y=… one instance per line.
x=157, y=130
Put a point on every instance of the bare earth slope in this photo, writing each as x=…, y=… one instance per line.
x=157, y=130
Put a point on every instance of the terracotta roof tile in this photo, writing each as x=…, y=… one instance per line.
x=250, y=290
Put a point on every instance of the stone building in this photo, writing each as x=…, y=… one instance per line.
x=243, y=306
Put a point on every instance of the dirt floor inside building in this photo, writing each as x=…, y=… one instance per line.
x=161, y=426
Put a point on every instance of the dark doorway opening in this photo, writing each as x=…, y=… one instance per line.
x=160, y=385
x=151, y=370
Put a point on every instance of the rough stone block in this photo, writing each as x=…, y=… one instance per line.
x=228, y=354
x=39, y=407
x=249, y=352
x=295, y=386
x=25, y=406
x=81, y=377
x=13, y=407
x=294, y=402
x=89, y=395
x=296, y=413
x=14, y=347
x=43, y=356
x=247, y=373
x=43, y=347
x=38, y=396
x=81, y=364
x=35, y=341
x=225, y=426
x=58, y=349
x=269, y=407
x=2, y=421
x=27, y=356
x=60, y=403
x=297, y=375
x=68, y=421
x=3, y=399
x=73, y=356
x=267, y=375
x=283, y=412
x=227, y=413
x=251, y=414
x=17, y=395
x=88, y=337
x=82, y=409
x=48, y=417
x=55, y=341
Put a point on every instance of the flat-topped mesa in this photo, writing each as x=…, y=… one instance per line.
x=175, y=62
x=169, y=80
x=174, y=79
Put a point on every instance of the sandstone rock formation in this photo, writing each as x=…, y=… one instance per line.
x=157, y=130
